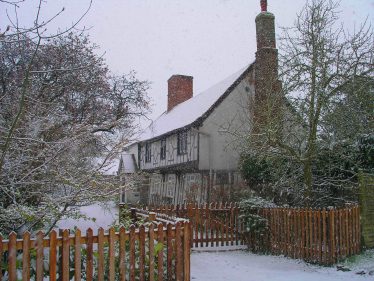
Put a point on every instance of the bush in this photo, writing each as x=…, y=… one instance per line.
x=253, y=169
x=255, y=226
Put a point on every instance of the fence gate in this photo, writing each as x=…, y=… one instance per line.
x=213, y=225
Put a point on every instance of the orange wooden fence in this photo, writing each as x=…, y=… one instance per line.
x=150, y=253
x=323, y=236
x=212, y=225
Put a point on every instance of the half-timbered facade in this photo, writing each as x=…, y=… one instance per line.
x=170, y=150
x=190, y=153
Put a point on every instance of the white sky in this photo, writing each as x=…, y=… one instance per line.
x=207, y=39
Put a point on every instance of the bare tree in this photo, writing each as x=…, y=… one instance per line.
x=322, y=68
x=63, y=118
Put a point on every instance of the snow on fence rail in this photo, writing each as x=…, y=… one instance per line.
x=212, y=225
x=322, y=236
x=152, y=252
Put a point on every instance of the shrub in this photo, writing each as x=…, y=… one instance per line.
x=255, y=226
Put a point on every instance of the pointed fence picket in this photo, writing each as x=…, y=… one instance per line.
x=321, y=236
x=123, y=255
x=215, y=224
x=318, y=236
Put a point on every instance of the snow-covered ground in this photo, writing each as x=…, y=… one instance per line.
x=101, y=215
x=245, y=266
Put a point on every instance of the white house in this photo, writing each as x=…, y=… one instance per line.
x=127, y=167
x=190, y=152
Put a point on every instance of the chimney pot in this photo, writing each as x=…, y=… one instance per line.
x=264, y=5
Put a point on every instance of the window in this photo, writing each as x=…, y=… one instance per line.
x=147, y=152
x=170, y=185
x=163, y=149
x=182, y=142
x=156, y=184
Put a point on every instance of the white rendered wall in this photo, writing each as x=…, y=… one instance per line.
x=224, y=129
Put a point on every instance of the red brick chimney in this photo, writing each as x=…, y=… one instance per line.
x=179, y=90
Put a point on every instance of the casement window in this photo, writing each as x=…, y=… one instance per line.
x=170, y=186
x=148, y=152
x=163, y=149
x=182, y=142
x=156, y=184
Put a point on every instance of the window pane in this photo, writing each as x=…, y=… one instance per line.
x=163, y=149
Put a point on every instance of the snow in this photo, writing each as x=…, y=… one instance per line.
x=128, y=162
x=246, y=266
x=190, y=110
x=101, y=215
x=111, y=168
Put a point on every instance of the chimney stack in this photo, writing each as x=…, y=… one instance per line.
x=267, y=85
x=180, y=89
x=265, y=28
x=267, y=54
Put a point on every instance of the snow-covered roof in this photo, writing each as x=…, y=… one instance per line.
x=189, y=111
x=128, y=163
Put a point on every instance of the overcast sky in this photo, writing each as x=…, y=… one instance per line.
x=207, y=39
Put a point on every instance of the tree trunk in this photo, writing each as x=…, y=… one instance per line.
x=308, y=180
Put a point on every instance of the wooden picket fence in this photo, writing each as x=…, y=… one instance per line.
x=212, y=225
x=322, y=236
x=152, y=252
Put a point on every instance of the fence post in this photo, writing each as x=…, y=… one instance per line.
x=112, y=235
x=77, y=255
x=299, y=235
x=339, y=233
x=89, y=261
x=169, y=255
x=151, y=253
x=122, y=253
x=60, y=231
x=12, y=256
x=65, y=256
x=52, y=255
x=186, y=251
x=39, y=256
x=357, y=230
x=25, y=256
x=100, y=254
x=319, y=236
x=178, y=253
x=141, y=254
x=132, y=253
x=324, y=238
x=211, y=226
x=332, y=235
x=152, y=216
x=1, y=257
x=348, y=231
x=160, y=260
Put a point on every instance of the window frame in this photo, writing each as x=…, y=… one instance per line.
x=163, y=149
x=148, y=152
x=182, y=142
